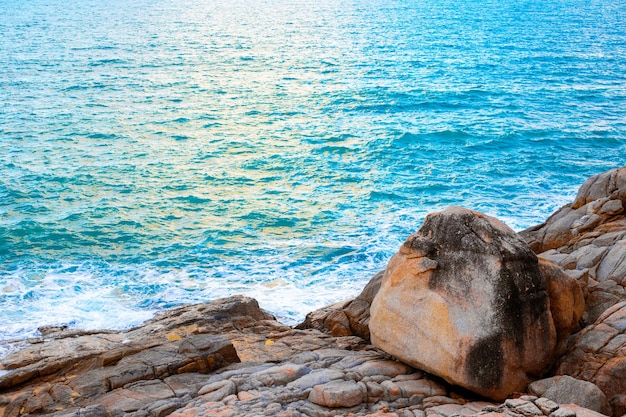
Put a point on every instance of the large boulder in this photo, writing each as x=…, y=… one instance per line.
x=465, y=299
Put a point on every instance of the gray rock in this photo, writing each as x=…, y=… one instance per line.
x=613, y=265
x=565, y=390
x=612, y=207
x=563, y=412
x=346, y=318
x=382, y=367
x=318, y=377
x=547, y=406
x=217, y=391
x=339, y=394
x=280, y=375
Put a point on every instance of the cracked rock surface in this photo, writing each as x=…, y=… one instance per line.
x=587, y=238
x=226, y=358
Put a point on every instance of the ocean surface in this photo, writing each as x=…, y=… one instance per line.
x=159, y=152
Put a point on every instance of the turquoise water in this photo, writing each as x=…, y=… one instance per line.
x=161, y=152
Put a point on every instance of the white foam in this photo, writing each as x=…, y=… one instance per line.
x=293, y=278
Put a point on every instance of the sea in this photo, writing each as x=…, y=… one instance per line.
x=161, y=152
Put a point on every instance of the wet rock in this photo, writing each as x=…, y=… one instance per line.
x=464, y=299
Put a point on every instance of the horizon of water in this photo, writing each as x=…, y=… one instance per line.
x=161, y=152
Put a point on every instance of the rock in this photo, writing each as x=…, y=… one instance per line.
x=346, y=318
x=613, y=265
x=546, y=406
x=163, y=408
x=319, y=377
x=526, y=408
x=423, y=387
x=563, y=412
x=217, y=391
x=339, y=394
x=581, y=411
x=530, y=406
x=464, y=299
x=588, y=239
x=567, y=301
x=280, y=375
x=382, y=367
x=565, y=389
x=598, y=354
x=125, y=371
x=335, y=377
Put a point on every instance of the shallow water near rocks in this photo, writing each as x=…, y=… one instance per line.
x=167, y=152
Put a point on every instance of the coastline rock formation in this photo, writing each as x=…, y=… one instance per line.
x=276, y=371
x=588, y=240
x=230, y=358
x=465, y=299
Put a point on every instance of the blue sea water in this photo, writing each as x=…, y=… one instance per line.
x=159, y=152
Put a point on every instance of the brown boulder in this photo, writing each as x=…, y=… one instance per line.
x=567, y=302
x=464, y=299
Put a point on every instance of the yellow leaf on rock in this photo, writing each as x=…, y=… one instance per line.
x=173, y=337
x=269, y=342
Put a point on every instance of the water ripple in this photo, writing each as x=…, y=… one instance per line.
x=181, y=151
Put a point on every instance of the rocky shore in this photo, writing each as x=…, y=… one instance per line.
x=563, y=340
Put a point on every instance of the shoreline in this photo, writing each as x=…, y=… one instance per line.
x=231, y=358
